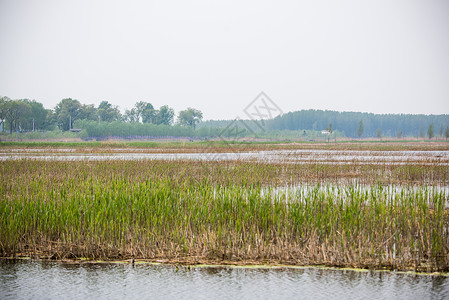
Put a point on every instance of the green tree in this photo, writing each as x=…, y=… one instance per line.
x=88, y=112
x=3, y=107
x=330, y=130
x=149, y=115
x=38, y=116
x=144, y=111
x=108, y=112
x=164, y=115
x=51, y=120
x=131, y=115
x=430, y=132
x=446, y=133
x=67, y=111
x=360, y=129
x=17, y=112
x=379, y=133
x=190, y=117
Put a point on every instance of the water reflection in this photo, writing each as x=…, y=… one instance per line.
x=53, y=280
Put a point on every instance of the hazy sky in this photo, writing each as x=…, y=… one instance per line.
x=217, y=56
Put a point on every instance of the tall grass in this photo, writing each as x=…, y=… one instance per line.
x=215, y=211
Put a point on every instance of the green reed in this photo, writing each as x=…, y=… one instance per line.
x=215, y=211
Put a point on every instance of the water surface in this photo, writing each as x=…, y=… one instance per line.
x=27, y=279
x=294, y=156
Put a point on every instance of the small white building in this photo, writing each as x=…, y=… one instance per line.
x=327, y=132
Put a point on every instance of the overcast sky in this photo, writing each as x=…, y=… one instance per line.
x=217, y=56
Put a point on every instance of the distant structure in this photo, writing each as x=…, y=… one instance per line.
x=327, y=132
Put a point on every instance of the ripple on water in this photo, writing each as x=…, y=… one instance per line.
x=53, y=280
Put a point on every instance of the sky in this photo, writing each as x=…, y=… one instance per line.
x=380, y=56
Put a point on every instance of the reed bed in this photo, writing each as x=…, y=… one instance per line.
x=231, y=212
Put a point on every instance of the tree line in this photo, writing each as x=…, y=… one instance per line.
x=29, y=115
x=358, y=125
x=144, y=119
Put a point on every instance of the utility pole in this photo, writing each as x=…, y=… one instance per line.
x=33, y=124
x=70, y=122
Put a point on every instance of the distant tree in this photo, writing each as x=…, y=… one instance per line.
x=149, y=115
x=3, y=107
x=67, y=111
x=399, y=134
x=379, y=133
x=131, y=115
x=446, y=133
x=190, y=117
x=441, y=130
x=164, y=115
x=360, y=129
x=17, y=112
x=421, y=132
x=144, y=111
x=430, y=132
x=38, y=115
x=25, y=114
x=329, y=129
x=51, y=121
x=140, y=107
x=108, y=112
x=88, y=112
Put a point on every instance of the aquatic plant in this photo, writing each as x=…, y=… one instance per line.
x=236, y=211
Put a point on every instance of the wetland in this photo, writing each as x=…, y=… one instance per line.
x=382, y=206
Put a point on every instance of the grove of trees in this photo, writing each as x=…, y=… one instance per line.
x=356, y=124
x=24, y=115
x=190, y=117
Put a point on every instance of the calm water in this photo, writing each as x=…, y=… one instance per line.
x=54, y=280
x=296, y=156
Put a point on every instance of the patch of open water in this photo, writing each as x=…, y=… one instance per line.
x=28, y=279
x=294, y=156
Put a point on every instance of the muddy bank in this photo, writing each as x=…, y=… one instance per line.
x=248, y=264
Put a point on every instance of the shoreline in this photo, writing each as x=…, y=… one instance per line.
x=250, y=264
